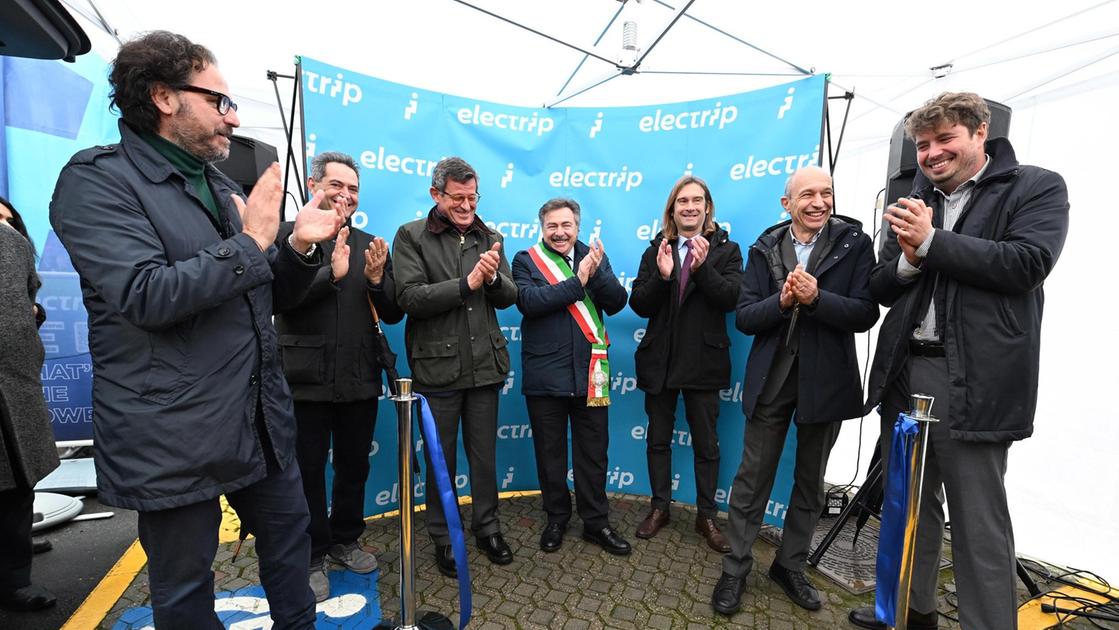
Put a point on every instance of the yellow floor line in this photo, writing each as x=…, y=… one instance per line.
x=109, y=590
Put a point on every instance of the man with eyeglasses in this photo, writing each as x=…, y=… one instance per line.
x=179, y=274
x=451, y=275
x=328, y=342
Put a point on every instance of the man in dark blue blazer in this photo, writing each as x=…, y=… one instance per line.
x=805, y=293
x=564, y=289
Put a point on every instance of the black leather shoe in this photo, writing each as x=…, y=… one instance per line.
x=26, y=599
x=495, y=549
x=40, y=545
x=796, y=586
x=864, y=618
x=552, y=538
x=445, y=561
x=609, y=540
x=726, y=599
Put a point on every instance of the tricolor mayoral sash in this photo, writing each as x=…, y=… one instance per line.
x=555, y=271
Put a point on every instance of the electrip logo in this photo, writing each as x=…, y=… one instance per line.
x=477, y=116
x=717, y=117
x=332, y=87
x=570, y=178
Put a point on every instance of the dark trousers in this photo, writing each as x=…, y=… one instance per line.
x=590, y=439
x=181, y=543
x=349, y=425
x=701, y=407
x=16, y=506
x=971, y=476
x=753, y=483
x=477, y=408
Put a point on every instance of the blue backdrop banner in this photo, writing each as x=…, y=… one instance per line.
x=619, y=164
x=50, y=111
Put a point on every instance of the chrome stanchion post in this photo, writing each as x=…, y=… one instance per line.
x=408, y=615
x=922, y=413
x=404, y=400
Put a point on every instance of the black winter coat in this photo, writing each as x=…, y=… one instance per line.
x=555, y=355
x=327, y=341
x=829, y=387
x=180, y=327
x=686, y=345
x=993, y=264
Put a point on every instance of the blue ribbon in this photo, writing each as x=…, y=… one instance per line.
x=891, y=537
x=449, y=501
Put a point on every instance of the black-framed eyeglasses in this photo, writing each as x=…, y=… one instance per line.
x=459, y=198
x=224, y=103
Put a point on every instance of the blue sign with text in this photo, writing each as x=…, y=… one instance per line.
x=620, y=165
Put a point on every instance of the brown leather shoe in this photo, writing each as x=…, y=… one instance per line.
x=707, y=528
x=653, y=523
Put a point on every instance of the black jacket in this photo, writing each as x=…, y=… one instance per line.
x=555, y=355
x=992, y=265
x=327, y=340
x=180, y=327
x=686, y=345
x=829, y=387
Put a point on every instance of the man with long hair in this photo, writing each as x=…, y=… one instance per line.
x=686, y=284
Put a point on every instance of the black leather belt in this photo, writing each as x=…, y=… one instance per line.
x=925, y=348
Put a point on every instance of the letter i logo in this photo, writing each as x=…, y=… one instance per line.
x=787, y=105
x=508, y=478
x=596, y=232
x=597, y=126
x=508, y=177
x=688, y=169
x=413, y=106
x=311, y=144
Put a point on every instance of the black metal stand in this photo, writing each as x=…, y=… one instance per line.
x=862, y=504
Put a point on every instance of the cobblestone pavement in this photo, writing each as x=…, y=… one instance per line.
x=665, y=583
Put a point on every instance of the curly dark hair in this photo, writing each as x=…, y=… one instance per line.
x=962, y=108
x=141, y=63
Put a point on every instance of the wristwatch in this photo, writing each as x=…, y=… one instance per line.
x=310, y=252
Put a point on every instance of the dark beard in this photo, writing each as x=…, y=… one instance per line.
x=194, y=140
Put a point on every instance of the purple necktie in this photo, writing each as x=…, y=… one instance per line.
x=685, y=269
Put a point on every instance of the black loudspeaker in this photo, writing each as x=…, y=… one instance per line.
x=902, y=163
x=247, y=160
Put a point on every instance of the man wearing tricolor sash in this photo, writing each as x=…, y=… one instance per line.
x=564, y=290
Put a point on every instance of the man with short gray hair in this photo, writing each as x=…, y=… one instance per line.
x=565, y=288
x=451, y=275
x=328, y=343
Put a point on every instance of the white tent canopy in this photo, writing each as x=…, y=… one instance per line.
x=1055, y=64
